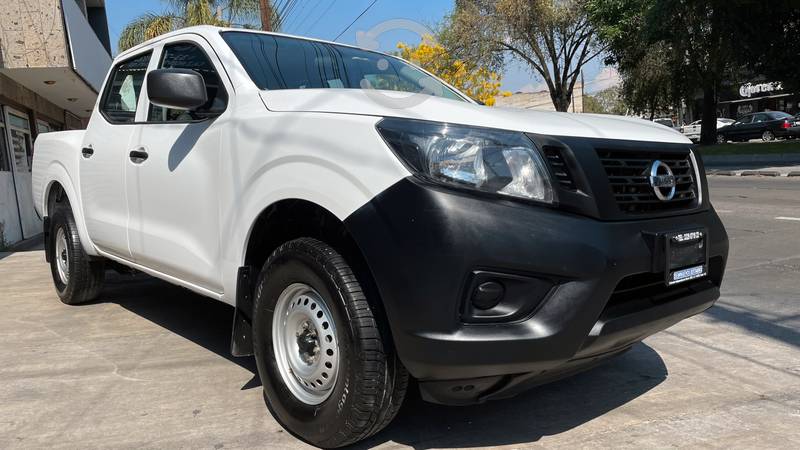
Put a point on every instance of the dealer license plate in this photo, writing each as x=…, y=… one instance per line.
x=687, y=256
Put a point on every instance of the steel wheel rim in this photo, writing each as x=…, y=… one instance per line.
x=62, y=256
x=305, y=343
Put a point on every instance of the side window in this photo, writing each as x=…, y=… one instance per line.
x=190, y=56
x=760, y=118
x=124, y=87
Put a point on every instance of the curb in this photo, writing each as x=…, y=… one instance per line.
x=752, y=173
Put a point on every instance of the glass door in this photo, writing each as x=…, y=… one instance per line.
x=20, y=142
x=10, y=225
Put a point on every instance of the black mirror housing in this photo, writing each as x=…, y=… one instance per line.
x=176, y=89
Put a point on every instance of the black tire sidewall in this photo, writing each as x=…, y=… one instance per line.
x=62, y=219
x=312, y=423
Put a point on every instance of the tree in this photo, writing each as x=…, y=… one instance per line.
x=699, y=43
x=479, y=83
x=607, y=101
x=554, y=38
x=185, y=13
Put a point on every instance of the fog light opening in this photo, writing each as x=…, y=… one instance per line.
x=488, y=295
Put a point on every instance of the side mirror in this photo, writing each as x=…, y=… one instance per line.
x=176, y=89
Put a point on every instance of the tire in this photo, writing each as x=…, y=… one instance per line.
x=721, y=138
x=77, y=278
x=312, y=317
x=767, y=136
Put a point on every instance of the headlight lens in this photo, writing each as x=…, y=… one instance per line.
x=502, y=162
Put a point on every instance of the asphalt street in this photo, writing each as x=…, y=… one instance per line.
x=147, y=366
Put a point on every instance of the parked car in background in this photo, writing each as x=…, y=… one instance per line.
x=666, y=121
x=768, y=126
x=692, y=131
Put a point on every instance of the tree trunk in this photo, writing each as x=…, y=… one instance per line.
x=708, y=130
x=266, y=15
x=561, y=99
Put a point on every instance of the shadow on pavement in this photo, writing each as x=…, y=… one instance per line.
x=755, y=324
x=30, y=245
x=547, y=410
x=204, y=321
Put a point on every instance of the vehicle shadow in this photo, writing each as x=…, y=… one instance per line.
x=547, y=410
x=204, y=321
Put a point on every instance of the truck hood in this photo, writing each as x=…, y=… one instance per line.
x=424, y=107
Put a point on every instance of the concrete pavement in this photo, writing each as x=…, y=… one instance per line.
x=148, y=366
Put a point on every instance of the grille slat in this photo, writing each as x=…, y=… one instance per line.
x=628, y=176
x=559, y=167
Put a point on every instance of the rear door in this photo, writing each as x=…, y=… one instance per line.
x=739, y=129
x=761, y=122
x=105, y=148
x=174, y=192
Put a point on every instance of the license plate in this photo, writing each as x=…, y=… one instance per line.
x=687, y=256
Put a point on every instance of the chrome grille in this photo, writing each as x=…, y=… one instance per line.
x=628, y=176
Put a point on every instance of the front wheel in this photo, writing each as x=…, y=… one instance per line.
x=77, y=278
x=329, y=376
x=721, y=138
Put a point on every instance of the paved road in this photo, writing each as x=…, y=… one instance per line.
x=148, y=367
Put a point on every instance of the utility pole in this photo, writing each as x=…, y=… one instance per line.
x=266, y=15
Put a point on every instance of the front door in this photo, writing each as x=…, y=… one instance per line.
x=105, y=151
x=173, y=178
x=20, y=142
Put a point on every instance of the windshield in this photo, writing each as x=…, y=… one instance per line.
x=280, y=62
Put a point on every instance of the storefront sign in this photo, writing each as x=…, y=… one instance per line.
x=747, y=90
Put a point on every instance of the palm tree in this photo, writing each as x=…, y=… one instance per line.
x=186, y=13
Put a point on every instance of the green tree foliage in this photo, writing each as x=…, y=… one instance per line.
x=554, y=38
x=607, y=101
x=679, y=45
x=186, y=13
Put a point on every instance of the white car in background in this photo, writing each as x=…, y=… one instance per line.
x=692, y=131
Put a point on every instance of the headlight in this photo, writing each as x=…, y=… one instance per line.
x=497, y=161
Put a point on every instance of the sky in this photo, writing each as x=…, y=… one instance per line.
x=307, y=19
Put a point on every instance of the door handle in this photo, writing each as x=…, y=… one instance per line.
x=87, y=152
x=138, y=156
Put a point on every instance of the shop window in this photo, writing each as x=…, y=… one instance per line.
x=5, y=162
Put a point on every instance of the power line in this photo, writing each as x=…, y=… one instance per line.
x=324, y=13
x=300, y=21
x=356, y=19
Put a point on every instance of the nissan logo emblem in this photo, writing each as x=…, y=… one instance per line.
x=662, y=180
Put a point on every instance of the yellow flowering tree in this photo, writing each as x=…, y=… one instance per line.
x=477, y=82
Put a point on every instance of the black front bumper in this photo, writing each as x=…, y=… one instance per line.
x=424, y=245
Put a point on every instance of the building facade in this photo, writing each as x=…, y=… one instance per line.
x=54, y=55
x=540, y=100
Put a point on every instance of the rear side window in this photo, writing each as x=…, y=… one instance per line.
x=279, y=62
x=777, y=115
x=189, y=56
x=124, y=88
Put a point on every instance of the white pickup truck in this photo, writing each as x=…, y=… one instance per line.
x=368, y=223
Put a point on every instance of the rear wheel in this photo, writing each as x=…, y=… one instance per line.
x=767, y=136
x=77, y=278
x=329, y=376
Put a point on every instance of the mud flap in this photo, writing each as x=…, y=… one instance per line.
x=242, y=338
x=46, y=234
